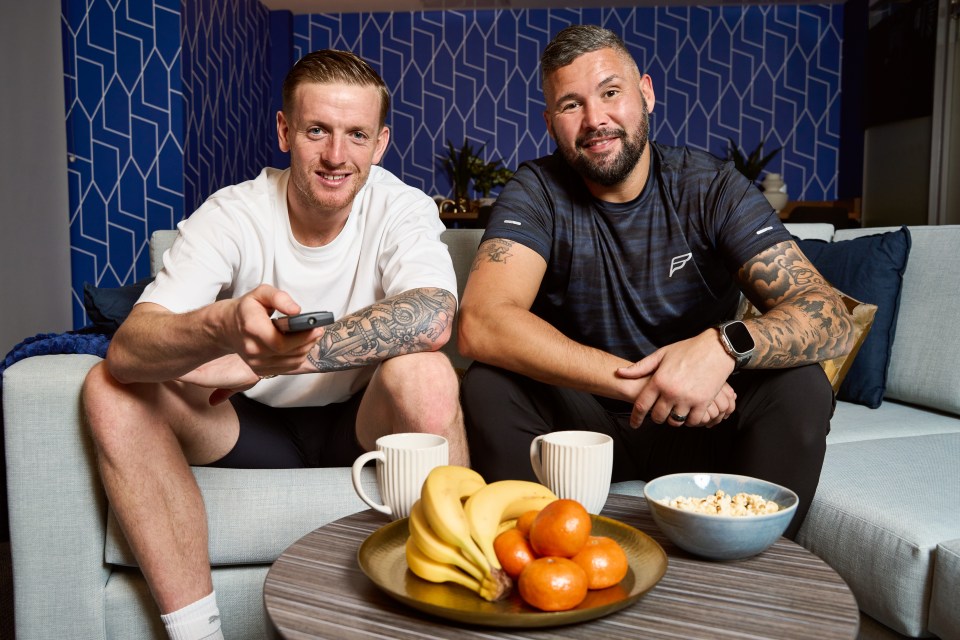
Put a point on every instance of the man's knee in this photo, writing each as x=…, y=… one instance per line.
x=100, y=397
x=418, y=380
x=117, y=413
x=809, y=396
x=418, y=371
x=797, y=404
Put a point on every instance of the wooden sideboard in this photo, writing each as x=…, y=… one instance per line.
x=823, y=211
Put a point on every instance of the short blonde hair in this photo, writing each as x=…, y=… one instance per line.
x=328, y=66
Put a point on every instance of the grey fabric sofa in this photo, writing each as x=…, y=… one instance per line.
x=885, y=515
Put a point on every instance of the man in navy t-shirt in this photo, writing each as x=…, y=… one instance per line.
x=604, y=295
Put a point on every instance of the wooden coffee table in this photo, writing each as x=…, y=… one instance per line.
x=316, y=589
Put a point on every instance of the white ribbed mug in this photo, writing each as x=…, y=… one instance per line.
x=403, y=462
x=575, y=464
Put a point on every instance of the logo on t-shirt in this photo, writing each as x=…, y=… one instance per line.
x=678, y=262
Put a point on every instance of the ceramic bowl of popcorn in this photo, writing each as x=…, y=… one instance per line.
x=720, y=516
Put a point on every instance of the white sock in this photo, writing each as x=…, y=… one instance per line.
x=197, y=621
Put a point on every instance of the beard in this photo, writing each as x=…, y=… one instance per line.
x=610, y=171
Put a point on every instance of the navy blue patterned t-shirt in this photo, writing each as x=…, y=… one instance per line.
x=630, y=278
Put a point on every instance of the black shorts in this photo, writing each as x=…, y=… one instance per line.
x=293, y=438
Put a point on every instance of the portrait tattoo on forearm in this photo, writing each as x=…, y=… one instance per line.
x=495, y=250
x=407, y=323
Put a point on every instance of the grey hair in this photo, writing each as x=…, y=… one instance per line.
x=576, y=40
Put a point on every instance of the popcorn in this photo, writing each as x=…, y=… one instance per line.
x=722, y=504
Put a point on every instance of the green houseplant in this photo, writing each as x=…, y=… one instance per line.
x=750, y=165
x=465, y=168
x=487, y=175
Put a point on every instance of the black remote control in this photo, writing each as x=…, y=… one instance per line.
x=303, y=321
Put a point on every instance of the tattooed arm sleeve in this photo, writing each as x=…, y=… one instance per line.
x=804, y=319
x=413, y=321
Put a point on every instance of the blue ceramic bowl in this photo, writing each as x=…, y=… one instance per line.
x=713, y=536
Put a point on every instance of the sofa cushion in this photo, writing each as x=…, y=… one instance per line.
x=923, y=364
x=863, y=316
x=254, y=514
x=160, y=241
x=854, y=422
x=810, y=230
x=870, y=269
x=130, y=611
x=880, y=511
x=944, y=613
x=628, y=488
x=462, y=244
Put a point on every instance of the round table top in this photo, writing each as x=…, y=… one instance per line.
x=316, y=589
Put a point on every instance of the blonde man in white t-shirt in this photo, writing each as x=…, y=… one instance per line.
x=199, y=375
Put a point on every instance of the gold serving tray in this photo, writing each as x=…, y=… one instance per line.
x=383, y=559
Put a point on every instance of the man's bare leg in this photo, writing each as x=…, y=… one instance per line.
x=146, y=436
x=417, y=392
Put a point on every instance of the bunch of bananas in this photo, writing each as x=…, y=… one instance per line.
x=455, y=521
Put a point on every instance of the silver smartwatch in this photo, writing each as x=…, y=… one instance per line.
x=737, y=341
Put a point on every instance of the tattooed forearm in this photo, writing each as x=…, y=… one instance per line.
x=805, y=320
x=496, y=250
x=413, y=321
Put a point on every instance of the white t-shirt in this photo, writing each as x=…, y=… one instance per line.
x=241, y=238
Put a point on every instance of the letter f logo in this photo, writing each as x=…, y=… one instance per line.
x=678, y=262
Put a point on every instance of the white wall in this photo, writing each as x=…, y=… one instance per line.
x=34, y=205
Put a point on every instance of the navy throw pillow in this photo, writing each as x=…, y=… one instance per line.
x=870, y=269
x=108, y=307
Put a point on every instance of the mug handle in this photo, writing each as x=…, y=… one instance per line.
x=535, y=459
x=358, y=486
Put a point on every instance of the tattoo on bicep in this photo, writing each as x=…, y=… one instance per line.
x=778, y=273
x=407, y=323
x=496, y=250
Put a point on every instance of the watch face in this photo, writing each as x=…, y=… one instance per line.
x=739, y=337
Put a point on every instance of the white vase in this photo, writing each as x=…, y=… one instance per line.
x=775, y=191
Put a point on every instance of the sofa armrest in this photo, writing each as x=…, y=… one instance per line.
x=57, y=505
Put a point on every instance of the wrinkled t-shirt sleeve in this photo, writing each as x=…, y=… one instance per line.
x=200, y=266
x=744, y=222
x=412, y=254
x=523, y=213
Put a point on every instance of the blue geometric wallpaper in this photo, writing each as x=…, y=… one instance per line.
x=750, y=73
x=169, y=100
x=124, y=110
x=226, y=86
x=166, y=103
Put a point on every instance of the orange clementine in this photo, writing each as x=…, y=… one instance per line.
x=603, y=560
x=553, y=584
x=560, y=529
x=513, y=551
x=525, y=520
